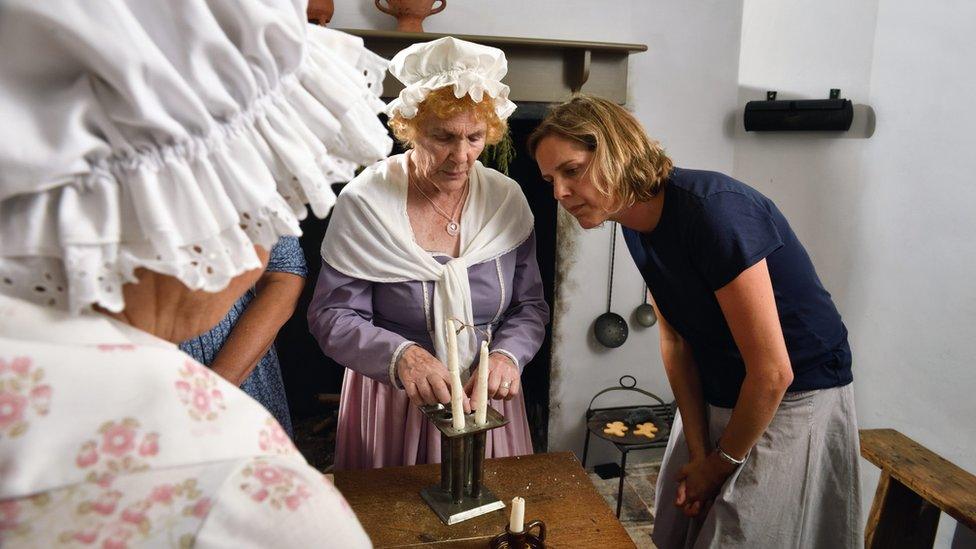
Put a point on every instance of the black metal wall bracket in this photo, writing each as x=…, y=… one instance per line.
x=834, y=94
x=833, y=114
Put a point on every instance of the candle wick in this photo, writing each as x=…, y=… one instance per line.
x=461, y=326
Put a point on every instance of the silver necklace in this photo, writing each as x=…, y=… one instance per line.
x=452, y=227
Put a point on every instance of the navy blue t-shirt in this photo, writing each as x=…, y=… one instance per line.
x=712, y=228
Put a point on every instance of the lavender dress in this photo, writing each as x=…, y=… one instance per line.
x=365, y=326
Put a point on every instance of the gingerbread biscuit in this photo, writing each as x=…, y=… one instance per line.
x=617, y=429
x=646, y=429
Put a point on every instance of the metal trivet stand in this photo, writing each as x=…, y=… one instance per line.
x=461, y=494
x=661, y=414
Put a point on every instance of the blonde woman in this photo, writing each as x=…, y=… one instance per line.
x=764, y=451
x=420, y=238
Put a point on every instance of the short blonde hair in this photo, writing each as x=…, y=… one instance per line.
x=442, y=104
x=628, y=166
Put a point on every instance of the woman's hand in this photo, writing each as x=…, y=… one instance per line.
x=425, y=379
x=690, y=508
x=503, y=378
x=700, y=481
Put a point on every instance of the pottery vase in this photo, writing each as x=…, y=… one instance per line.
x=320, y=11
x=410, y=14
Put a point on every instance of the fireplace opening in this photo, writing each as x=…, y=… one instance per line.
x=308, y=372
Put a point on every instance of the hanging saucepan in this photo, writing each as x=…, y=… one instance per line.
x=644, y=313
x=610, y=328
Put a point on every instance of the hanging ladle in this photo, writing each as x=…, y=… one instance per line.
x=644, y=313
x=610, y=328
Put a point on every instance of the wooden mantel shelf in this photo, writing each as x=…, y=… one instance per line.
x=499, y=41
x=539, y=70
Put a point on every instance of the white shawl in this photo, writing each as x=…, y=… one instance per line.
x=370, y=238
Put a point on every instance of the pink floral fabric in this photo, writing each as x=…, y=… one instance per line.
x=23, y=394
x=273, y=439
x=197, y=390
x=276, y=485
x=120, y=448
x=117, y=518
x=112, y=439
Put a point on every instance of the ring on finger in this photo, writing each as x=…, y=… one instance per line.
x=505, y=385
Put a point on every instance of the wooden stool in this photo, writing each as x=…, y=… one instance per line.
x=915, y=485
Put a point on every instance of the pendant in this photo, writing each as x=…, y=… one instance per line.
x=452, y=228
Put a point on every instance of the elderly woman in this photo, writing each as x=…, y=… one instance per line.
x=146, y=167
x=421, y=238
x=765, y=451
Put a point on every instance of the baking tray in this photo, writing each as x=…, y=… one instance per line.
x=631, y=416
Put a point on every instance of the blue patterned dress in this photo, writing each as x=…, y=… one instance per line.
x=264, y=384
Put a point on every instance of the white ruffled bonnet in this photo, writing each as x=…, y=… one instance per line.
x=177, y=148
x=473, y=69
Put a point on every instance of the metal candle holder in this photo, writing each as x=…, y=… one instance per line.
x=461, y=495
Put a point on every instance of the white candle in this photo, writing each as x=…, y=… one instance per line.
x=457, y=390
x=517, y=520
x=481, y=387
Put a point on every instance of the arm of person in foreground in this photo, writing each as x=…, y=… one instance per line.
x=276, y=294
x=750, y=310
x=302, y=509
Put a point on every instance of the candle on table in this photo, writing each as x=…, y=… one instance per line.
x=517, y=520
x=457, y=390
x=481, y=387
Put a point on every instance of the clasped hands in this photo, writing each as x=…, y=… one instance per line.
x=427, y=381
x=699, y=481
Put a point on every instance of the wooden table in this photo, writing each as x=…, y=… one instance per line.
x=915, y=485
x=555, y=487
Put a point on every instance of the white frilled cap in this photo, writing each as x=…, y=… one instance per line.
x=171, y=139
x=473, y=69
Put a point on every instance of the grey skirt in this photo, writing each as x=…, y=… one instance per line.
x=797, y=488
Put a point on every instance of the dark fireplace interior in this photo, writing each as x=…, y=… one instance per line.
x=308, y=373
